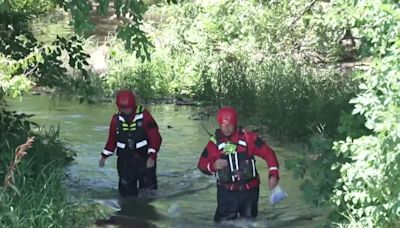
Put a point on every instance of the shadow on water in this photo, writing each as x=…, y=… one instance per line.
x=132, y=213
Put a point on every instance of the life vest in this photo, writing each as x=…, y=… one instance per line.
x=131, y=136
x=241, y=166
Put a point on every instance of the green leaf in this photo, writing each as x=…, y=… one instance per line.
x=15, y=189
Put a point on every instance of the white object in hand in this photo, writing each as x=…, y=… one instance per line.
x=277, y=195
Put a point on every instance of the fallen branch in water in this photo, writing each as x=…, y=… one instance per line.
x=20, y=152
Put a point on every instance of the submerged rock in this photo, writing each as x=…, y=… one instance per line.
x=174, y=210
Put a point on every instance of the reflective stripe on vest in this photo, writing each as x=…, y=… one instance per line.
x=138, y=117
x=253, y=162
x=221, y=146
x=141, y=144
x=129, y=127
x=138, y=145
x=242, y=143
x=121, y=145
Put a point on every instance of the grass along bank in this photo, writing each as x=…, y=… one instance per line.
x=33, y=193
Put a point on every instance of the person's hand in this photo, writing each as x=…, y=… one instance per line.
x=272, y=182
x=220, y=164
x=102, y=161
x=150, y=163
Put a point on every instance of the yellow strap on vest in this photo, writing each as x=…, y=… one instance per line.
x=132, y=126
x=139, y=109
x=213, y=139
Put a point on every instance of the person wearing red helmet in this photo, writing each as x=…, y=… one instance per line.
x=229, y=155
x=134, y=135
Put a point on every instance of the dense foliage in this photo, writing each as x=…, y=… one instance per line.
x=363, y=181
x=243, y=53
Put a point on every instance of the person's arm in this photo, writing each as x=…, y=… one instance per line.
x=260, y=148
x=112, y=139
x=153, y=134
x=208, y=158
x=111, y=142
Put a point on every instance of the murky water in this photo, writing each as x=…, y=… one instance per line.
x=186, y=198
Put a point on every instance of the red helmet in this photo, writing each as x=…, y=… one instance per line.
x=126, y=99
x=227, y=115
